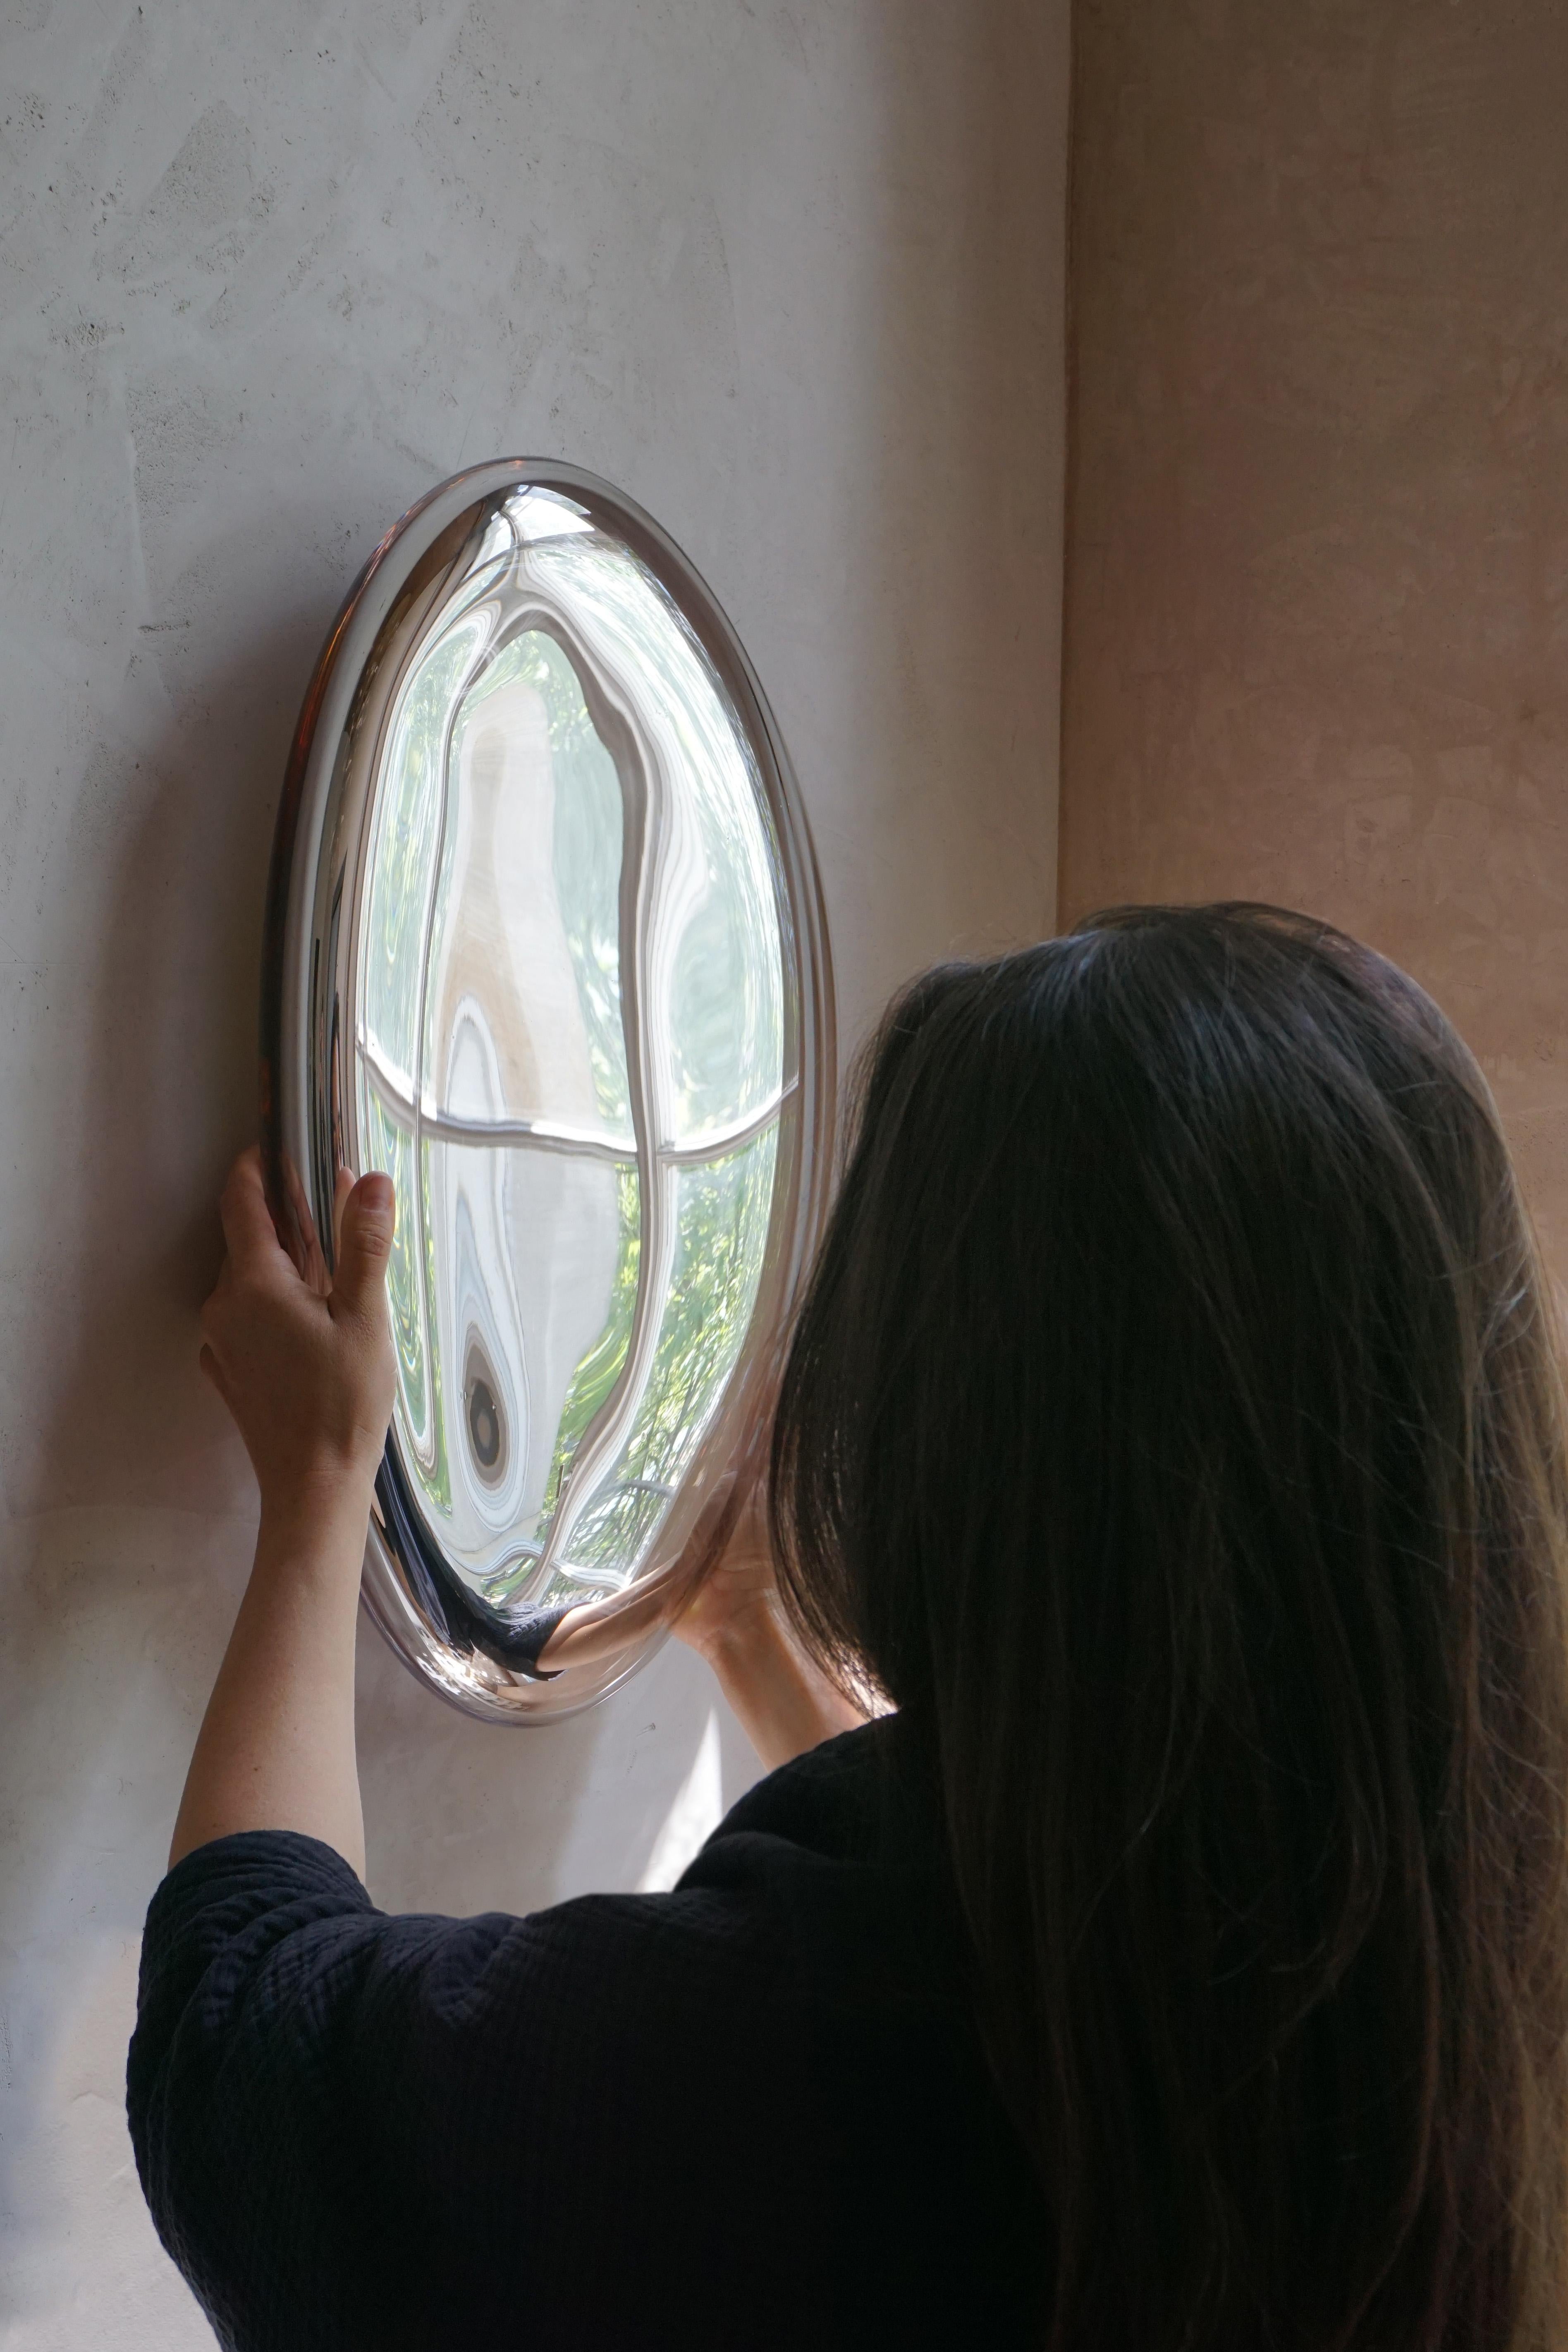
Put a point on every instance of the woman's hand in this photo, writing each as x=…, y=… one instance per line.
x=738, y=1592
x=785, y=1703
x=304, y=1365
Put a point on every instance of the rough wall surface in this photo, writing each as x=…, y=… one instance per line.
x=1318, y=510
x=791, y=273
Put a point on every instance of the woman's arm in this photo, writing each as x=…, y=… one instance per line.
x=307, y=1373
x=783, y=1703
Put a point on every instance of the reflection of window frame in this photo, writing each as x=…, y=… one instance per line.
x=646, y=880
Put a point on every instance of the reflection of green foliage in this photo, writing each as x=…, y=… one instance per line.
x=600, y=1370
x=621, y=1524
x=388, y=1148
x=590, y=825
x=722, y=1005
x=726, y=968
x=726, y=1008
x=405, y=842
x=721, y=1225
x=722, y=1215
x=502, y=1583
x=410, y=797
x=565, y=1588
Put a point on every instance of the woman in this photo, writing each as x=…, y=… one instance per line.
x=1172, y=1435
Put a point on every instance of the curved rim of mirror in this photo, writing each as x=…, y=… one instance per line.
x=545, y=935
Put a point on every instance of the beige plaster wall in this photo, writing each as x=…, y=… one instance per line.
x=791, y=273
x=1317, y=642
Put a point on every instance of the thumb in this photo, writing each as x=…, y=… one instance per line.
x=364, y=1244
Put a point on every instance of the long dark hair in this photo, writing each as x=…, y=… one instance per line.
x=1172, y=1431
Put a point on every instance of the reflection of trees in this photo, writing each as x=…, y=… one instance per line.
x=518, y=930
x=393, y=919
x=600, y=1370
x=722, y=1227
x=387, y=1147
x=507, y=940
x=496, y=889
x=438, y=1480
x=716, y=968
x=403, y=851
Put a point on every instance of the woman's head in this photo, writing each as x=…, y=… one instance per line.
x=1173, y=1430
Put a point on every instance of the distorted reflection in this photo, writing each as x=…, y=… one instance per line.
x=570, y=1055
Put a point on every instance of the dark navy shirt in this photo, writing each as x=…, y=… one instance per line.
x=752, y=2113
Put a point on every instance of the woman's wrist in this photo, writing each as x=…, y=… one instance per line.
x=748, y=1630
x=316, y=1507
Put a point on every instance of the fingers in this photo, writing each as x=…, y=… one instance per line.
x=248, y=1229
x=365, y=1220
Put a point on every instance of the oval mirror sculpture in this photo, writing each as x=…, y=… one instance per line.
x=545, y=941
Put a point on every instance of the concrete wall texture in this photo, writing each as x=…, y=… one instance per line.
x=791, y=273
x=1318, y=508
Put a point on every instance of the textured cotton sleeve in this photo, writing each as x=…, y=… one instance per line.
x=362, y=2129
x=272, y=2083
x=749, y=2115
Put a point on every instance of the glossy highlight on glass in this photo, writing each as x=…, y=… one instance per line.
x=545, y=942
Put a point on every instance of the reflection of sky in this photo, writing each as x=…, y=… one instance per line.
x=715, y=977
x=571, y=1054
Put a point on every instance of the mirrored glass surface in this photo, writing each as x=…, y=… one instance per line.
x=569, y=1053
x=545, y=943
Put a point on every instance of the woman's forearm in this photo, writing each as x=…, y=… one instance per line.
x=783, y=1704
x=277, y=1745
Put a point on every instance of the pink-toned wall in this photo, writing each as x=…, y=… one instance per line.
x=1317, y=640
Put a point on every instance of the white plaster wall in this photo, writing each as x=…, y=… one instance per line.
x=790, y=272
